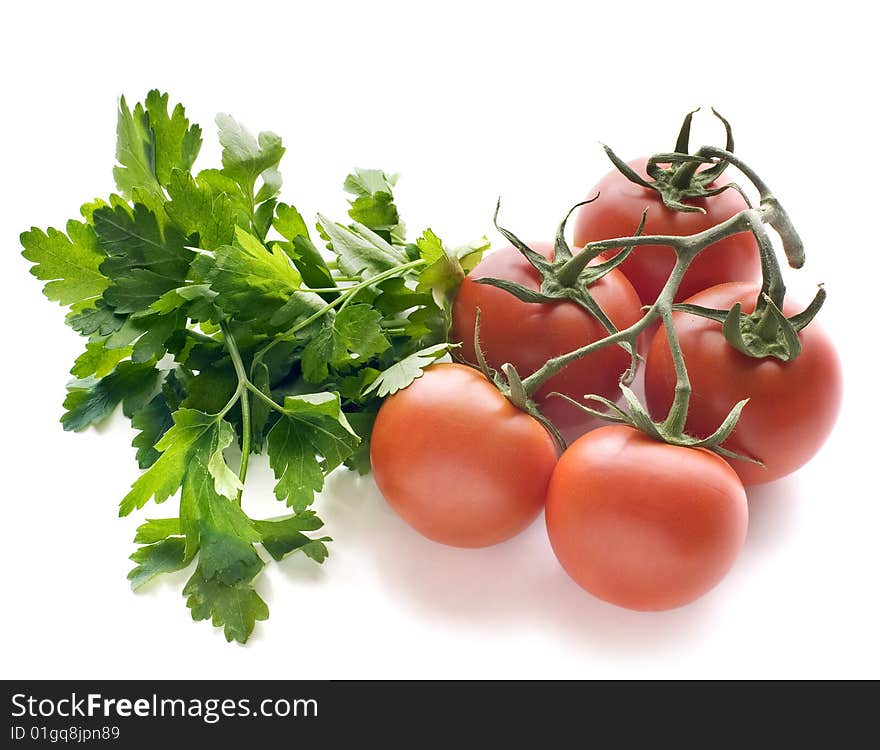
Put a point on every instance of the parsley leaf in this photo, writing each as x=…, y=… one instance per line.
x=362, y=423
x=259, y=285
x=94, y=316
x=359, y=328
x=177, y=142
x=69, y=263
x=150, y=143
x=227, y=556
x=199, y=207
x=402, y=373
x=395, y=297
x=311, y=439
x=290, y=224
x=373, y=205
x=152, y=560
x=157, y=329
x=97, y=360
x=156, y=529
x=360, y=250
x=245, y=158
x=366, y=183
x=135, y=150
x=445, y=270
x=90, y=401
x=234, y=608
x=143, y=262
x=196, y=299
x=155, y=419
x=195, y=437
x=353, y=336
x=281, y=536
x=221, y=587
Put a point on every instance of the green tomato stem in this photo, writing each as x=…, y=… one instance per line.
x=686, y=248
x=677, y=416
x=685, y=173
x=570, y=271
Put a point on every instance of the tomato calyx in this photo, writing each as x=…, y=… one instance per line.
x=635, y=415
x=568, y=276
x=681, y=178
x=764, y=333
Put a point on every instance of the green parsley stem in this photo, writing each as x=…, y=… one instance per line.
x=233, y=400
x=245, y=438
x=343, y=295
x=319, y=290
x=242, y=393
x=199, y=336
x=271, y=403
x=346, y=294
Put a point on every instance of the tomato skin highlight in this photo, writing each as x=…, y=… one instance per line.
x=617, y=213
x=457, y=461
x=643, y=524
x=527, y=334
x=793, y=405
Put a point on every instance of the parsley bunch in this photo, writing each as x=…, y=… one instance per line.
x=215, y=317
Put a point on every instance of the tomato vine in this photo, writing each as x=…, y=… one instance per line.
x=766, y=332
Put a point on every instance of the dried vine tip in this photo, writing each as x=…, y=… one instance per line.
x=677, y=176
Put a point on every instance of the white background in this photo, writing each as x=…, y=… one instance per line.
x=468, y=101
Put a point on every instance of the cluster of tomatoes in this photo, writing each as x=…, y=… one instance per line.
x=638, y=522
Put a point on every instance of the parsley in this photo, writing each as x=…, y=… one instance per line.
x=215, y=319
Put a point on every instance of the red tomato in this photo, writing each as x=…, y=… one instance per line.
x=618, y=211
x=793, y=405
x=527, y=334
x=457, y=461
x=643, y=524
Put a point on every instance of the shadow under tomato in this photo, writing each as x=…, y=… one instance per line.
x=773, y=512
x=517, y=585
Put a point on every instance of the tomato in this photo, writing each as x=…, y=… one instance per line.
x=527, y=334
x=617, y=213
x=643, y=524
x=457, y=461
x=793, y=405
